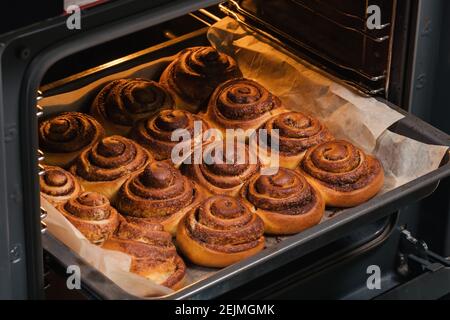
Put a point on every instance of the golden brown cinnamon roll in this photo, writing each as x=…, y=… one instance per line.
x=92, y=214
x=285, y=201
x=195, y=73
x=296, y=133
x=107, y=164
x=153, y=254
x=242, y=104
x=220, y=171
x=155, y=133
x=121, y=103
x=58, y=185
x=159, y=194
x=64, y=136
x=220, y=232
x=343, y=173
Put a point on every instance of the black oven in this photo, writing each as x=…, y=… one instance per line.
x=406, y=232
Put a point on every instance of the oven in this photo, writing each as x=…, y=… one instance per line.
x=404, y=232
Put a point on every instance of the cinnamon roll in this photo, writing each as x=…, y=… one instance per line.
x=220, y=232
x=296, y=133
x=58, y=185
x=221, y=171
x=343, y=173
x=153, y=254
x=159, y=194
x=107, y=164
x=92, y=214
x=195, y=73
x=155, y=133
x=121, y=103
x=285, y=201
x=64, y=136
x=242, y=104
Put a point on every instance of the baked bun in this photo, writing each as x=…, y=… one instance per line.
x=343, y=173
x=220, y=232
x=58, y=185
x=121, y=103
x=92, y=214
x=64, y=136
x=155, y=133
x=153, y=254
x=296, y=134
x=195, y=73
x=107, y=164
x=159, y=194
x=285, y=201
x=215, y=175
x=241, y=104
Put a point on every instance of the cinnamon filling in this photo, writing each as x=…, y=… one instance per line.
x=68, y=132
x=89, y=206
x=224, y=224
x=286, y=192
x=341, y=166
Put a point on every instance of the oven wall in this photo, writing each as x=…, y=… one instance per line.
x=426, y=96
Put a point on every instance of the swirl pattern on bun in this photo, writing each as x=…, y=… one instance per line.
x=92, y=214
x=285, y=201
x=222, y=171
x=296, y=133
x=58, y=185
x=344, y=174
x=159, y=194
x=196, y=72
x=155, y=133
x=108, y=163
x=121, y=103
x=64, y=136
x=242, y=104
x=220, y=232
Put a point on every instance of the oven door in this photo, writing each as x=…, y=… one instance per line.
x=26, y=54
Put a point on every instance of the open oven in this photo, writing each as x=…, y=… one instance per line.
x=46, y=59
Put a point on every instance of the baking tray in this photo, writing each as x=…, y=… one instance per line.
x=279, y=253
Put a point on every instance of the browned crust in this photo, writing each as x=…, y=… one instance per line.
x=55, y=200
x=94, y=231
x=192, y=94
x=283, y=224
x=201, y=255
x=341, y=199
x=346, y=199
x=110, y=127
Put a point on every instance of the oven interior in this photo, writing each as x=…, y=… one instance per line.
x=320, y=32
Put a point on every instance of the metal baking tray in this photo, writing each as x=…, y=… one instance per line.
x=279, y=253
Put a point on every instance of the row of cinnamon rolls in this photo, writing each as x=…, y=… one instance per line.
x=223, y=221
x=344, y=174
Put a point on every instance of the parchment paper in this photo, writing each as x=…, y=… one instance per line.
x=361, y=120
